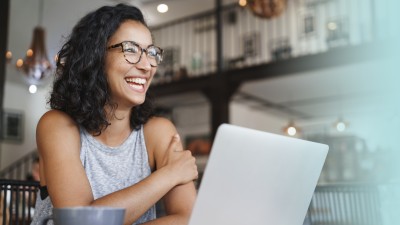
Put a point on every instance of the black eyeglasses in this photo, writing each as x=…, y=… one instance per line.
x=133, y=52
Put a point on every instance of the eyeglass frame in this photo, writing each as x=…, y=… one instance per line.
x=141, y=49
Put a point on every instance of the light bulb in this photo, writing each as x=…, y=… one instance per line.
x=19, y=63
x=340, y=126
x=8, y=55
x=332, y=26
x=291, y=131
x=29, y=52
x=162, y=8
x=32, y=89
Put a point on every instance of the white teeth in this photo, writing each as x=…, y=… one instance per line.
x=136, y=80
x=138, y=87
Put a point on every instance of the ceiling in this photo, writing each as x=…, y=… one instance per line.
x=60, y=16
x=177, y=8
x=346, y=90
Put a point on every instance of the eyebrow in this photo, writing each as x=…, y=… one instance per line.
x=152, y=44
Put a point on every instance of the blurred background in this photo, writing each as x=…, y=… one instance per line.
x=320, y=70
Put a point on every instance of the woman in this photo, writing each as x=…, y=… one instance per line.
x=100, y=144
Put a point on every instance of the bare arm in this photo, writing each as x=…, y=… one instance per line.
x=58, y=142
x=179, y=200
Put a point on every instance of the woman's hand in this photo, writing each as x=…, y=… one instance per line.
x=174, y=168
x=180, y=162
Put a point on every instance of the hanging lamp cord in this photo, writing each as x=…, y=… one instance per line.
x=40, y=22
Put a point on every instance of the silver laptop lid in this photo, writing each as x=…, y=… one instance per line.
x=257, y=178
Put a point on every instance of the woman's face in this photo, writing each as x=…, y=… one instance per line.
x=129, y=82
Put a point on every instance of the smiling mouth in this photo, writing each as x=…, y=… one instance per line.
x=137, y=83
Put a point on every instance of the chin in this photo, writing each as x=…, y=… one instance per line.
x=138, y=101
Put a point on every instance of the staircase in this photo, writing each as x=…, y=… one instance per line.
x=20, y=169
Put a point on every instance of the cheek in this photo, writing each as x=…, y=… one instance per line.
x=153, y=72
x=108, y=65
x=112, y=71
x=114, y=66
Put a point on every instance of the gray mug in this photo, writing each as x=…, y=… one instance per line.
x=86, y=215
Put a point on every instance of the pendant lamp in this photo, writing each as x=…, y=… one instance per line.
x=267, y=8
x=36, y=65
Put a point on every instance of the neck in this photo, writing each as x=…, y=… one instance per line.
x=118, y=130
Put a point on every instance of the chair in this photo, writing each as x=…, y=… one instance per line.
x=17, y=201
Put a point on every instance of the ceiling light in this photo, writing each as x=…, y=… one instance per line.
x=32, y=89
x=291, y=129
x=332, y=26
x=340, y=125
x=162, y=8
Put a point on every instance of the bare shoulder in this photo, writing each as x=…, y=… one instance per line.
x=56, y=118
x=55, y=126
x=159, y=126
x=158, y=132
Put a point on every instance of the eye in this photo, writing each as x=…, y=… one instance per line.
x=130, y=48
x=153, y=51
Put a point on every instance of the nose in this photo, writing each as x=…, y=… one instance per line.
x=143, y=63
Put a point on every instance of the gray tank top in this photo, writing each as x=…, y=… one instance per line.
x=109, y=169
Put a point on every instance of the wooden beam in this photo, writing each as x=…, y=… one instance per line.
x=182, y=86
x=334, y=57
x=219, y=95
x=4, y=18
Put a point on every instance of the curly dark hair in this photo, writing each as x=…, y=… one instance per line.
x=80, y=88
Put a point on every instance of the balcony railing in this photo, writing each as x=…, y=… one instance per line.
x=306, y=27
x=345, y=204
x=20, y=169
x=355, y=204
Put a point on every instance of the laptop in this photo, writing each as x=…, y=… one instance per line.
x=257, y=178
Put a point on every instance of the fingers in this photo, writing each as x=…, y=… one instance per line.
x=180, y=162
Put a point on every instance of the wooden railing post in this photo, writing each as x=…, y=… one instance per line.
x=4, y=17
x=219, y=47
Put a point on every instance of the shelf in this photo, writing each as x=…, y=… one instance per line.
x=234, y=77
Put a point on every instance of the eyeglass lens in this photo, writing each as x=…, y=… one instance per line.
x=133, y=53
